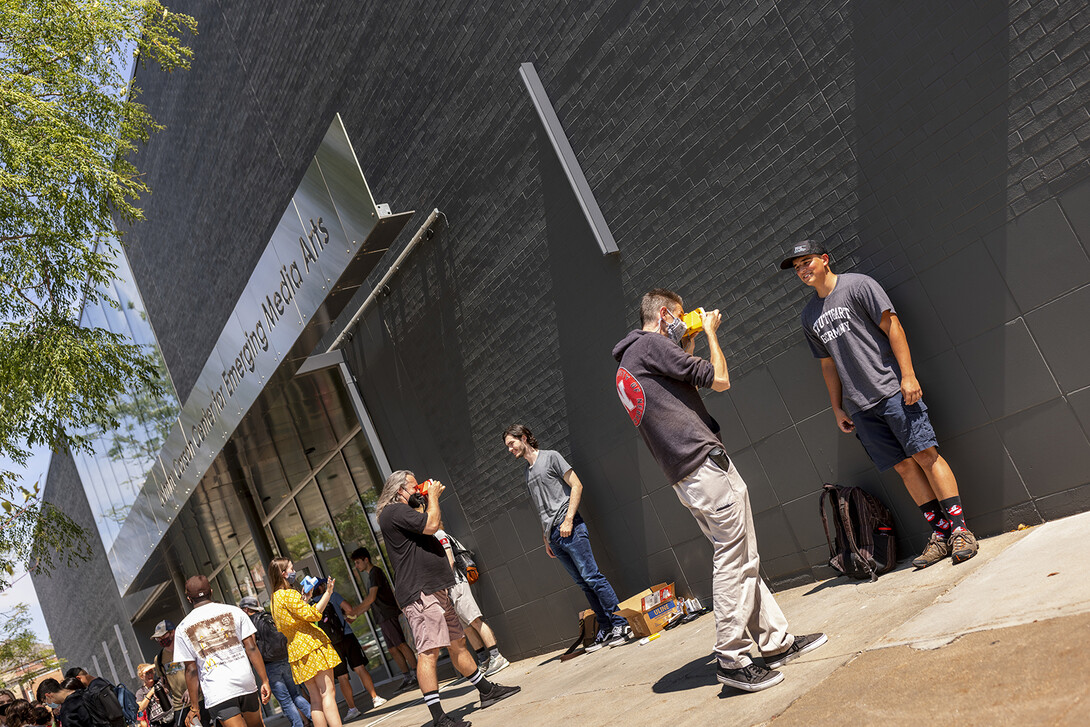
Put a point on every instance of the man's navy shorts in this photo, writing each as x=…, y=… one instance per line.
x=892, y=432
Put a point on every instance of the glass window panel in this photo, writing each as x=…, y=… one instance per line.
x=291, y=538
x=246, y=586
x=338, y=408
x=320, y=529
x=226, y=587
x=311, y=422
x=257, y=572
x=349, y=518
x=365, y=475
x=268, y=477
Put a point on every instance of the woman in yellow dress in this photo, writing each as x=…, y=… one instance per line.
x=310, y=654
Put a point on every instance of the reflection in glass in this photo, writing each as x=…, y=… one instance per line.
x=365, y=475
x=117, y=466
x=291, y=538
x=353, y=528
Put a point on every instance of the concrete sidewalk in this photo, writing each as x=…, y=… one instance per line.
x=995, y=640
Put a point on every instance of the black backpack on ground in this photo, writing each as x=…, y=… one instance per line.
x=272, y=644
x=865, y=539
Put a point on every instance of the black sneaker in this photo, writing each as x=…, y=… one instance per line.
x=618, y=636
x=599, y=641
x=802, y=644
x=447, y=721
x=406, y=685
x=498, y=692
x=750, y=678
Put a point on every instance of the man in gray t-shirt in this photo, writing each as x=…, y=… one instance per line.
x=854, y=331
x=556, y=492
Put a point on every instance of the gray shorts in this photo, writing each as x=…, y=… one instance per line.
x=464, y=604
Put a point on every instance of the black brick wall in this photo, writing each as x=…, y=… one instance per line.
x=943, y=148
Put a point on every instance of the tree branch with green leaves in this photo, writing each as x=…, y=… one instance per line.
x=70, y=128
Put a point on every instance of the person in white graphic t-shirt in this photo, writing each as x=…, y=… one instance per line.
x=217, y=645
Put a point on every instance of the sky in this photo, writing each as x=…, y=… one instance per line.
x=22, y=589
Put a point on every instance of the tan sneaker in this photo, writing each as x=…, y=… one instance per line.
x=963, y=545
x=937, y=549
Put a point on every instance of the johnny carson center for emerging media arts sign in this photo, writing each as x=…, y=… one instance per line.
x=325, y=228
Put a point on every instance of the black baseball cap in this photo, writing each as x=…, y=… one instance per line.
x=806, y=247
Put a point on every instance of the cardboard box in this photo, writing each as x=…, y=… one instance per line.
x=649, y=611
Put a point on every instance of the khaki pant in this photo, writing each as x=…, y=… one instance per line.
x=719, y=500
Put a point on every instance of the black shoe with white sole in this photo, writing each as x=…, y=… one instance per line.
x=750, y=678
x=802, y=644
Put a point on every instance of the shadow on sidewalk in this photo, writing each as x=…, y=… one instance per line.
x=699, y=672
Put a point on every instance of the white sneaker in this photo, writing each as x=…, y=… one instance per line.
x=496, y=664
x=378, y=701
x=351, y=714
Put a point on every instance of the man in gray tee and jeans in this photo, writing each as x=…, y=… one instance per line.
x=556, y=491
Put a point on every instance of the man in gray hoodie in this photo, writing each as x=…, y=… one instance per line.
x=657, y=382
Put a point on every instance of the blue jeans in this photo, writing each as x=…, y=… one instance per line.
x=575, y=555
x=284, y=689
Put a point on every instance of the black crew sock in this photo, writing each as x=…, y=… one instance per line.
x=483, y=685
x=952, y=508
x=935, y=516
x=494, y=652
x=432, y=700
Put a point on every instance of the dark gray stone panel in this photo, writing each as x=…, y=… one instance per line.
x=695, y=558
x=797, y=375
x=986, y=476
x=1075, y=203
x=923, y=327
x=1048, y=447
x=1080, y=403
x=1039, y=257
x=788, y=465
x=642, y=520
x=1062, y=504
x=805, y=521
x=1007, y=370
x=677, y=522
x=1060, y=330
x=731, y=431
x=775, y=539
x=953, y=404
x=836, y=456
x=968, y=293
x=759, y=405
x=761, y=493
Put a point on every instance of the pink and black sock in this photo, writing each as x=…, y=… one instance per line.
x=952, y=507
x=935, y=516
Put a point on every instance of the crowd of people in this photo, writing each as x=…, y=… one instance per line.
x=222, y=662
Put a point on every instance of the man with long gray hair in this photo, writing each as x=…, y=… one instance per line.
x=424, y=579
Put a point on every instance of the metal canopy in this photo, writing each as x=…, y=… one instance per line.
x=329, y=238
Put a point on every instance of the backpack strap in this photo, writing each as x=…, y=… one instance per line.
x=868, y=521
x=845, y=512
x=827, y=492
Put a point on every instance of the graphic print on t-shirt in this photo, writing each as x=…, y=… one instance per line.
x=216, y=641
x=835, y=322
x=631, y=394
